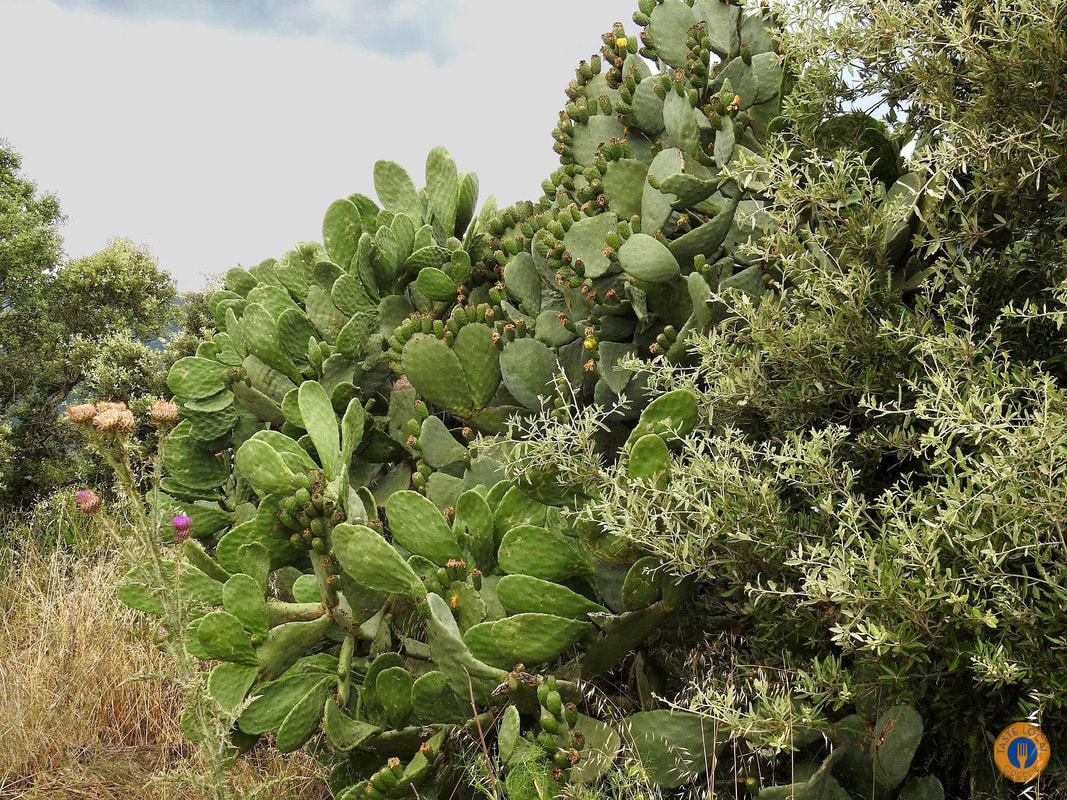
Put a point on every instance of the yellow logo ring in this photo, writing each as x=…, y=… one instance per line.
x=1021, y=752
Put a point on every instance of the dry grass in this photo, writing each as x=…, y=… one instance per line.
x=76, y=719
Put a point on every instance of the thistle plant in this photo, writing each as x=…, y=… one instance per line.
x=144, y=530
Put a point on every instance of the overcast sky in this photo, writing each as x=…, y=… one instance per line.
x=217, y=132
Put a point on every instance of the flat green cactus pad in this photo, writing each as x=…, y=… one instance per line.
x=524, y=593
x=624, y=184
x=342, y=731
x=670, y=416
x=191, y=464
x=479, y=360
x=196, y=377
x=320, y=421
x=656, y=205
x=602, y=744
x=418, y=526
x=242, y=597
x=223, y=636
x=265, y=469
x=437, y=374
x=442, y=188
x=925, y=788
x=303, y=719
x=229, y=683
x=341, y=229
x=393, y=689
x=466, y=675
x=524, y=639
x=669, y=23
x=371, y=561
x=395, y=189
x=674, y=746
x=646, y=259
x=528, y=368
x=586, y=240
x=434, y=702
x=542, y=553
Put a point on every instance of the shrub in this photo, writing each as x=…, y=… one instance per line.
x=871, y=496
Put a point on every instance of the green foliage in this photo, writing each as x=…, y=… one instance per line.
x=128, y=291
x=858, y=526
x=31, y=243
x=62, y=323
x=879, y=436
x=53, y=523
x=355, y=485
x=125, y=369
x=979, y=92
x=756, y=437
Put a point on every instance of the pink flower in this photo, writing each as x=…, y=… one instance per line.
x=181, y=524
x=88, y=501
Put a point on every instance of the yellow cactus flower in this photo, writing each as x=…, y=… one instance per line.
x=621, y=43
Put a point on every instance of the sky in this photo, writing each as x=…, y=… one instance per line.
x=217, y=132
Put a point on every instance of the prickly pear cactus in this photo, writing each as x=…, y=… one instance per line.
x=640, y=223
x=646, y=218
x=358, y=571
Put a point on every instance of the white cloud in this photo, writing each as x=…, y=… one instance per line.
x=216, y=148
x=375, y=28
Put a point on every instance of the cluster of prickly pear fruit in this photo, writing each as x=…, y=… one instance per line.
x=561, y=746
x=644, y=221
x=640, y=223
x=356, y=567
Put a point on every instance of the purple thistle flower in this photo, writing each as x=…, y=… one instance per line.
x=181, y=524
x=88, y=501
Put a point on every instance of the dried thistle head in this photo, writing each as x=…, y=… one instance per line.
x=107, y=405
x=164, y=413
x=81, y=414
x=115, y=420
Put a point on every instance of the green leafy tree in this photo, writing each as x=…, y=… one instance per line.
x=979, y=90
x=30, y=248
x=56, y=322
x=121, y=288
